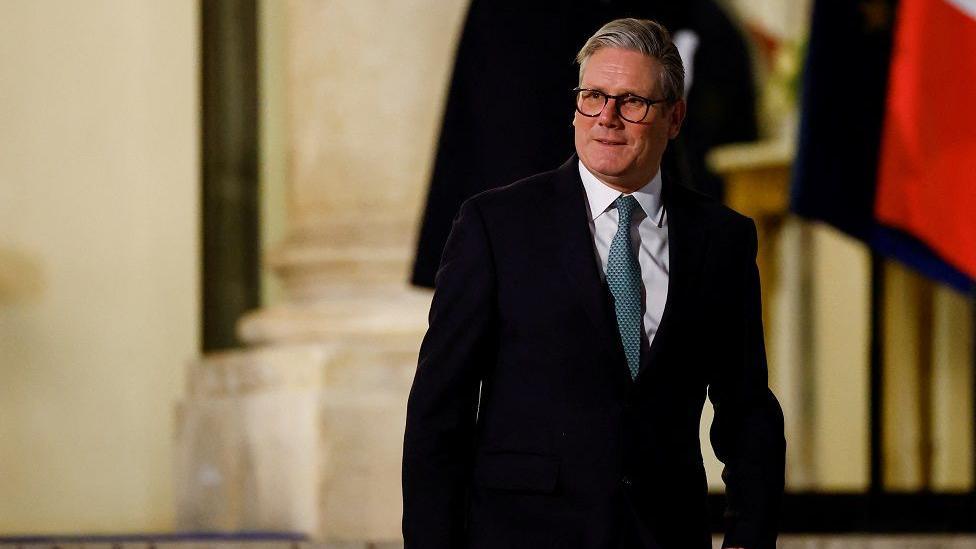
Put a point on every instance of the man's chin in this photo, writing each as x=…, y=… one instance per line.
x=607, y=171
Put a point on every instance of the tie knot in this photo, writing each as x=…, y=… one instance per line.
x=625, y=207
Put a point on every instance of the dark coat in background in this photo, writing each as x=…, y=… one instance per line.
x=509, y=111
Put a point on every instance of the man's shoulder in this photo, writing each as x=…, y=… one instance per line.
x=708, y=211
x=525, y=191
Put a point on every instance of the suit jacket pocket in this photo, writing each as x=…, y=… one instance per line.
x=517, y=472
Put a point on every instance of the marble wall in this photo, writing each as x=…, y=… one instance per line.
x=99, y=268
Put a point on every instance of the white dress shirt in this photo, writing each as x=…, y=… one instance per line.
x=649, y=240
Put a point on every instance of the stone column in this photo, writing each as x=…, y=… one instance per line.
x=303, y=430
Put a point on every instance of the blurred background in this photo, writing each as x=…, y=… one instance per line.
x=219, y=220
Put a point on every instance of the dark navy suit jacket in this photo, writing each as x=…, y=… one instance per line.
x=524, y=428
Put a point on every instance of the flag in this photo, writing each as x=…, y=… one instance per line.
x=927, y=170
x=844, y=106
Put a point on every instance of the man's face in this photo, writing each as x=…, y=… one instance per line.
x=625, y=155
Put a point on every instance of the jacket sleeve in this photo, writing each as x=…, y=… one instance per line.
x=747, y=429
x=459, y=346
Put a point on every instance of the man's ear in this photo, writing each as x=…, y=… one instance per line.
x=676, y=117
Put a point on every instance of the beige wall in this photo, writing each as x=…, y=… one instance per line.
x=98, y=258
x=839, y=383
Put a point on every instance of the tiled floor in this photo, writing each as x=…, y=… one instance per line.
x=785, y=542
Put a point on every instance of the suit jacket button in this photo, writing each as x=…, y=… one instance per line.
x=626, y=482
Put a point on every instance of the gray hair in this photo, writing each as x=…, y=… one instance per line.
x=643, y=36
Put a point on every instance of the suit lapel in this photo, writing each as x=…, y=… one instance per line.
x=578, y=256
x=686, y=246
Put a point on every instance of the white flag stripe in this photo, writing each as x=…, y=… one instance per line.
x=966, y=6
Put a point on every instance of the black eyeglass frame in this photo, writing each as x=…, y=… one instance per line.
x=616, y=105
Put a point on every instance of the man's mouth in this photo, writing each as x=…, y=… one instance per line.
x=609, y=142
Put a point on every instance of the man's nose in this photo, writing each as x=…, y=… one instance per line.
x=608, y=116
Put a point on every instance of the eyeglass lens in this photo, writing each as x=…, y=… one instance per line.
x=592, y=103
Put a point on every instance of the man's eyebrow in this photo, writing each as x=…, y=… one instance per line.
x=626, y=91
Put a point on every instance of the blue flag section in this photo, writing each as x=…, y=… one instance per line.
x=914, y=253
x=843, y=102
x=842, y=108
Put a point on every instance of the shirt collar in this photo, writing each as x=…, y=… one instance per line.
x=600, y=196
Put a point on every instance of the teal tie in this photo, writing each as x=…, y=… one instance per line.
x=624, y=279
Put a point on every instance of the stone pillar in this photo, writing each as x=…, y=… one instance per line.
x=303, y=430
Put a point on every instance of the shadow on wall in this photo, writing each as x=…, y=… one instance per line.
x=21, y=277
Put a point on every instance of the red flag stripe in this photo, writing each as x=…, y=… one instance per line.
x=927, y=172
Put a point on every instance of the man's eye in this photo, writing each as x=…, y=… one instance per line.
x=592, y=95
x=632, y=101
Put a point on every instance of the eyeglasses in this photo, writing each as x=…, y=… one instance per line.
x=630, y=107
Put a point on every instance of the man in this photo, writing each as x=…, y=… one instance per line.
x=579, y=317
x=501, y=42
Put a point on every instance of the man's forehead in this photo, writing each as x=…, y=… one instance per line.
x=623, y=66
x=632, y=59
